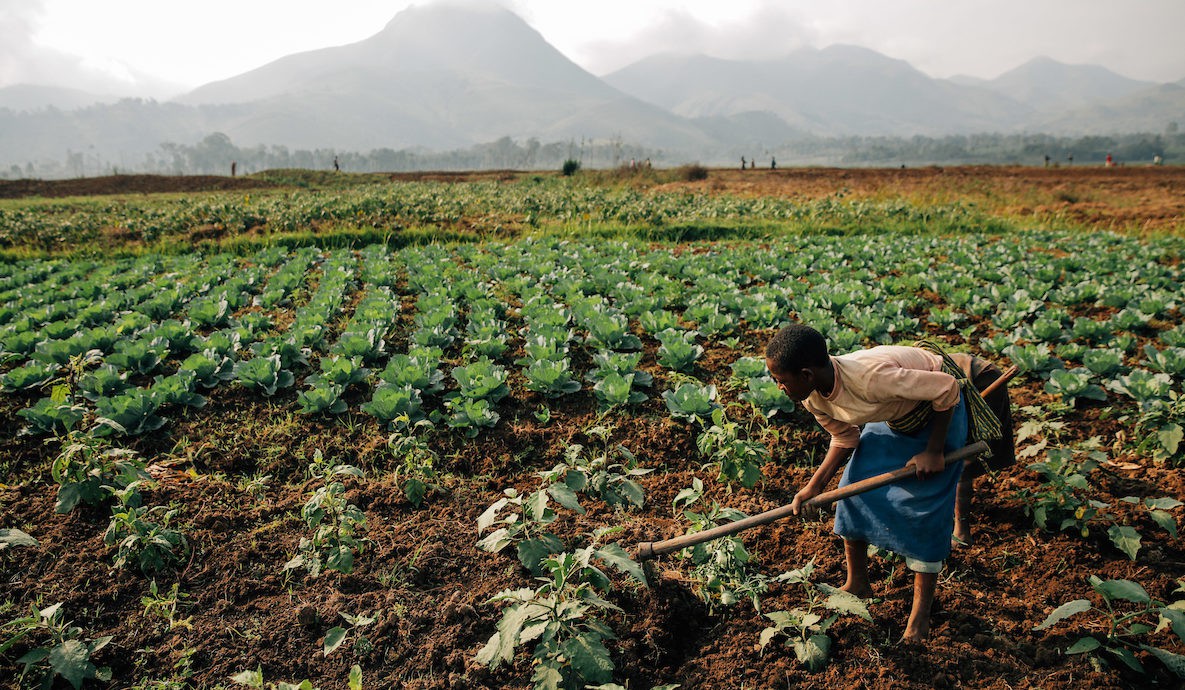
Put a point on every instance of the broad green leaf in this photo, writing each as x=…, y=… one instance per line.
x=547, y=677
x=1163, y=503
x=845, y=602
x=616, y=556
x=1065, y=611
x=1174, y=618
x=813, y=652
x=587, y=654
x=251, y=678
x=71, y=660
x=355, y=682
x=1125, y=655
x=333, y=639
x=1126, y=539
x=565, y=497
x=487, y=518
x=1170, y=437
x=15, y=537
x=495, y=541
x=1086, y=644
x=1166, y=521
x=1174, y=662
x=767, y=635
x=1122, y=589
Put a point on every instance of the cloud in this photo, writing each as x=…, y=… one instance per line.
x=769, y=32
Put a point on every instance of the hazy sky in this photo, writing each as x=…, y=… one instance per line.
x=160, y=47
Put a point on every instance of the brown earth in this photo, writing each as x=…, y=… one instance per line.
x=126, y=184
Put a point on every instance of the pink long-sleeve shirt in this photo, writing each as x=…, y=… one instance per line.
x=880, y=384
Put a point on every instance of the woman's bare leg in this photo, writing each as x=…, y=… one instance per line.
x=856, y=556
x=963, y=498
x=918, y=627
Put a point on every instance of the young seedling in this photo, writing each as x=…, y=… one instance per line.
x=1126, y=625
x=804, y=628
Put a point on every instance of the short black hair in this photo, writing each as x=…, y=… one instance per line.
x=795, y=347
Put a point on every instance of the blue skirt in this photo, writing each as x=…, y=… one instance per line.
x=910, y=517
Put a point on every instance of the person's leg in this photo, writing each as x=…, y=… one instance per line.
x=918, y=627
x=964, y=496
x=856, y=556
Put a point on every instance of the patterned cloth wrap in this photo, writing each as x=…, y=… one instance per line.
x=911, y=517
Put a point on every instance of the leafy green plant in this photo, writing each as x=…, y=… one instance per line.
x=263, y=374
x=104, y=382
x=738, y=459
x=569, y=650
x=337, y=635
x=323, y=397
x=138, y=538
x=611, y=331
x=678, y=350
x=130, y=414
x=1033, y=359
x=615, y=390
x=721, y=571
x=524, y=523
x=420, y=371
x=88, y=470
x=342, y=371
x=209, y=368
x=471, y=416
x=691, y=402
x=1072, y=384
x=767, y=398
x=139, y=356
x=165, y=605
x=804, y=628
x=336, y=525
x=415, y=461
x=551, y=378
x=481, y=380
x=1126, y=626
x=56, y=415
x=177, y=389
x=28, y=376
x=606, y=473
x=365, y=346
x=54, y=648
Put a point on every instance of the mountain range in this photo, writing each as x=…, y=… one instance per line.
x=443, y=76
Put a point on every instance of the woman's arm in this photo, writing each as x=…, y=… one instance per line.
x=835, y=458
x=930, y=462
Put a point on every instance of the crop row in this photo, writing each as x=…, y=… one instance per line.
x=191, y=324
x=50, y=225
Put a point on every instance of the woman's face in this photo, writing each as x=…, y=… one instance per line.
x=797, y=385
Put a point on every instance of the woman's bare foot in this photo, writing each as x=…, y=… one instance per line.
x=916, y=635
x=861, y=590
x=962, y=534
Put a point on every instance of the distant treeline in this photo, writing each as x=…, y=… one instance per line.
x=216, y=153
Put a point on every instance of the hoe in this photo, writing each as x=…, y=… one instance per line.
x=649, y=549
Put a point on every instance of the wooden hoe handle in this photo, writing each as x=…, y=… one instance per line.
x=649, y=549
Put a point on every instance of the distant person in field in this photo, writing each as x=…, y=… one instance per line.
x=1047, y=160
x=1070, y=159
x=233, y=165
x=1109, y=161
x=1157, y=160
x=773, y=164
x=336, y=166
x=742, y=162
x=915, y=404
